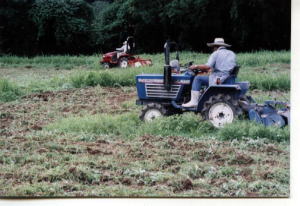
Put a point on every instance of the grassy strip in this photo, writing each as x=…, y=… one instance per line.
x=65, y=61
x=261, y=58
x=9, y=91
x=187, y=125
x=267, y=81
x=120, y=78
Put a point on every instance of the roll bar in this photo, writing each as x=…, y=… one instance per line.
x=130, y=43
x=167, y=67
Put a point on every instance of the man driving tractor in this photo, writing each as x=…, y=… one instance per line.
x=122, y=49
x=220, y=63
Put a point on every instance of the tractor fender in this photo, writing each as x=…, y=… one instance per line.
x=235, y=90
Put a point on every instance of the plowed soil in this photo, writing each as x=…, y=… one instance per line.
x=34, y=162
x=34, y=111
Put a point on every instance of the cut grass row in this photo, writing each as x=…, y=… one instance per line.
x=262, y=81
x=257, y=58
x=10, y=91
x=188, y=125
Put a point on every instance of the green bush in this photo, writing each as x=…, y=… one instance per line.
x=8, y=91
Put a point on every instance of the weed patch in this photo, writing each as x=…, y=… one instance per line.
x=121, y=125
x=268, y=81
x=242, y=129
x=9, y=91
x=129, y=125
x=186, y=125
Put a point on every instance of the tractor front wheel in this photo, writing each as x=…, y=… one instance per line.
x=106, y=65
x=123, y=63
x=220, y=110
x=152, y=111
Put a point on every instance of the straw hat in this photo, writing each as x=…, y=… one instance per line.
x=218, y=42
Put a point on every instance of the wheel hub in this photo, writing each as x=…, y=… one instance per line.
x=221, y=114
x=124, y=64
x=152, y=114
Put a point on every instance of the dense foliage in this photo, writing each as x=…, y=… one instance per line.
x=29, y=27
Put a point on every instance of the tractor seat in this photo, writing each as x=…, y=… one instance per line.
x=233, y=75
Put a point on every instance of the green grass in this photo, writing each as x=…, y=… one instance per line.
x=266, y=77
x=269, y=80
x=242, y=129
x=9, y=91
x=257, y=58
x=105, y=78
x=61, y=61
x=62, y=164
x=260, y=58
x=92, y=145
x=128, y=125
x=265, y=70
x=124, y=125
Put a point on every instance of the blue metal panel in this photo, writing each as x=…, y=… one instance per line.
x=155, y=81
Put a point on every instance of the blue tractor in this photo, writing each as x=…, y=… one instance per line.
x=163, y=95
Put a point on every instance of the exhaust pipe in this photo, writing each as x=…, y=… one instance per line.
x=167, y=67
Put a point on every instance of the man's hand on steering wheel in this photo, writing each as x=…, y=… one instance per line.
x=200, y=68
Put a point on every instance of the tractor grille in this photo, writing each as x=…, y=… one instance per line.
x=158, y=90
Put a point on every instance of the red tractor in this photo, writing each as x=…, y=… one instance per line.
x=123, y=57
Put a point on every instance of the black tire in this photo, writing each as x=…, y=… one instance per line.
x=123, y=62
x=211, y=110
x=156, y=108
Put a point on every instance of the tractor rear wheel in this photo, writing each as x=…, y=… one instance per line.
x=123, y=62
x=152, y=111
x=220, y=110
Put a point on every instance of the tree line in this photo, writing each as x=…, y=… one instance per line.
x=31, y=27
